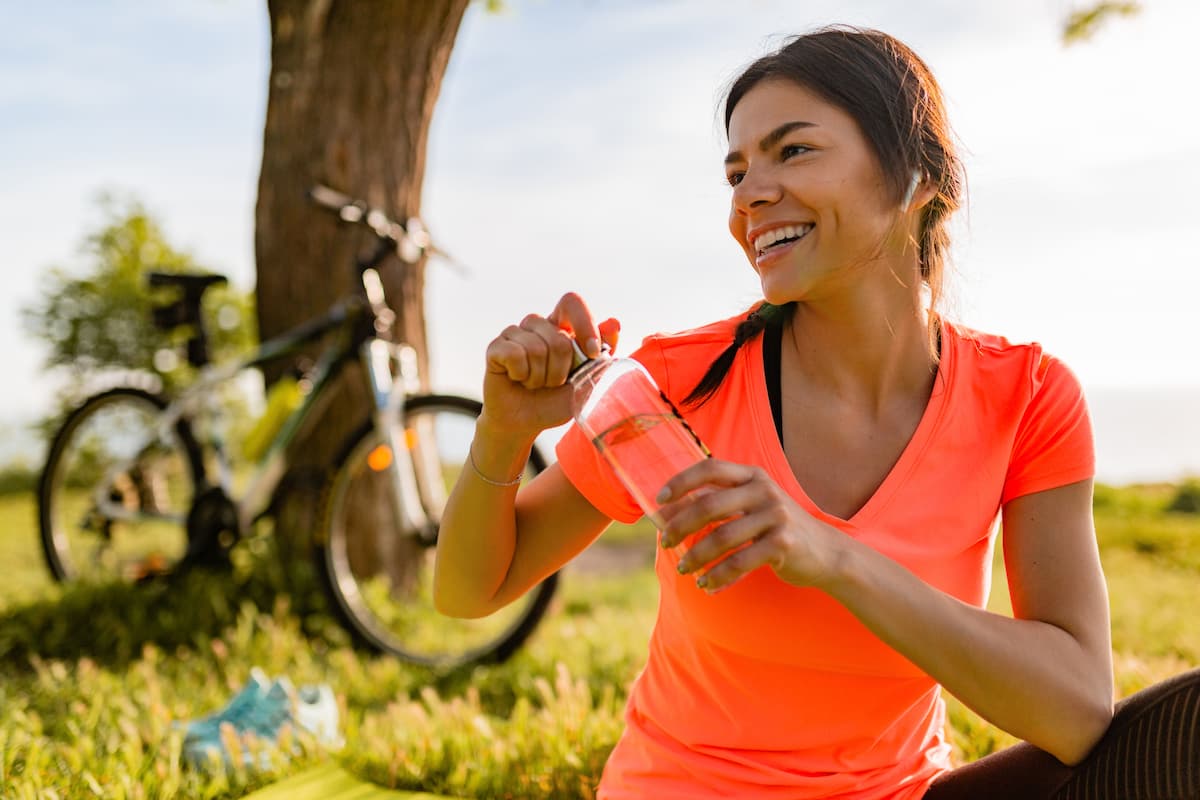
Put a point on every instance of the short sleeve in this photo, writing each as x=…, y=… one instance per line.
x=1053, y=445
x=587, y=470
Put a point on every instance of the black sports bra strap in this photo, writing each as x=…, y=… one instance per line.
x=772, y=349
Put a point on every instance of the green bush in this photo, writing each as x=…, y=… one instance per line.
x=1186, y=499
x=17, y=477
x=1105, y=497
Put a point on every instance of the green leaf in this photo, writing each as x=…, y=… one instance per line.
x=1083, y=23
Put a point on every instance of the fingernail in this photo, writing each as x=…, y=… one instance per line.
x=663, y=496
x=702, y=581
x=681, y=567
x=664, y=542
x=592, y=346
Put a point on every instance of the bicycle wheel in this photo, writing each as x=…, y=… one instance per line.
x=381, y=582
x=114, y=494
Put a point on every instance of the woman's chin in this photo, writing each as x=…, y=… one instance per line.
x=779, y=295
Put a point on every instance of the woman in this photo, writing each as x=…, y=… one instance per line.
x=864, y=447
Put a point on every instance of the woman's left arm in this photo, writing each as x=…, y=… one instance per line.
x=1044, y=675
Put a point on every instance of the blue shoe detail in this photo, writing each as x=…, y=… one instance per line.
x=208, y=725
x=261, y=710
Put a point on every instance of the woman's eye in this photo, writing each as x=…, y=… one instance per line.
x=735, y=178
x=789, y=150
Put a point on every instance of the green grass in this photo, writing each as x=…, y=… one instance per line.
x=92, y=678
x=25, y=574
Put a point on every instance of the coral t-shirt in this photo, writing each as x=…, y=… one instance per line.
x=767, y=690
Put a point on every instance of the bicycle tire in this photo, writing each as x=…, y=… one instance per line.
x=65, y=484
x=407, y=626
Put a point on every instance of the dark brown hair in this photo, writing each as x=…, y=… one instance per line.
x=898, y=105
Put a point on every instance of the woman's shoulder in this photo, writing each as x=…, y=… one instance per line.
x=991, y=347
x=1030, y=404
x=990, y=358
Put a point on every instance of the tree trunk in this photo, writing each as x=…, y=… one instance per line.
x=352, y=92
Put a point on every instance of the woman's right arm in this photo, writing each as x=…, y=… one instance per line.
x=496, y=543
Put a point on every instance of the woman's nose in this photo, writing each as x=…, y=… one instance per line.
x=755, y=189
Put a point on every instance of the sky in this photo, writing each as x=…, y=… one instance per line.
x=576, y=146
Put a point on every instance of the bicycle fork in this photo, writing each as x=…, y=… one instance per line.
x=417, y=487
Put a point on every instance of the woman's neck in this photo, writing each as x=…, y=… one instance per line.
x=870, y=349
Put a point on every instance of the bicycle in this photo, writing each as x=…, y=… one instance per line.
x=126, y=492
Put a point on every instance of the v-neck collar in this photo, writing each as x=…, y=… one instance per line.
x=776, y=459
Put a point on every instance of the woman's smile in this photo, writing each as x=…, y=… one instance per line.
x=775, y=243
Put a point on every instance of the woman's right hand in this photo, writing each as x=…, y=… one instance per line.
x=525, y=390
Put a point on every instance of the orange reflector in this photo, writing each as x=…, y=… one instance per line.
x=380, y=458
x=410, y=438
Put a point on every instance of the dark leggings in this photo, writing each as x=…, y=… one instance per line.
x=1150, y=752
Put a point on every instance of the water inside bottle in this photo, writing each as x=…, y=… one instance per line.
x=646, y=451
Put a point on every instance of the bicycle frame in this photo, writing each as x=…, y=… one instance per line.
x=180, y=459
x=392, y=376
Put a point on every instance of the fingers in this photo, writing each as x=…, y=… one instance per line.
x=727, y=539
x=709, y=472
x=704, y=507
x=572, y=314
x=505, y=356
x=537, y=354
x=767, y=549
x=741, y=515
x=610, y=331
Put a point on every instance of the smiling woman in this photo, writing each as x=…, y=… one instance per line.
x=837, y=547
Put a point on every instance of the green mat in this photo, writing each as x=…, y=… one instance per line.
x=331, y=782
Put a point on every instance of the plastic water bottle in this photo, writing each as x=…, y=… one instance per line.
x=284, y=397
x=634, y=426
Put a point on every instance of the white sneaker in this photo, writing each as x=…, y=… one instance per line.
x=315, y=710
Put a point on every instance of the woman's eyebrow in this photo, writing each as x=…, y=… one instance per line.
x=771, y=139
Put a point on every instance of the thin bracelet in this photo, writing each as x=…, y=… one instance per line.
x=485, y=478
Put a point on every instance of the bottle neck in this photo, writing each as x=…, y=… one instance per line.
x=582, y=367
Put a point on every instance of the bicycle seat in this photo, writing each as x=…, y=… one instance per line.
x=185, y=310
x=192, y=283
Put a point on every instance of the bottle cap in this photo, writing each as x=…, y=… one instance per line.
x=580, y=358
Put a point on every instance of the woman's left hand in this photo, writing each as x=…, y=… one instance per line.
x=758, y=523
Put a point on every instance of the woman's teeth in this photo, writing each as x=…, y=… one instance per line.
x=784, y=235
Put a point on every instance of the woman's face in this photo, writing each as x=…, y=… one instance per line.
x=810, y=206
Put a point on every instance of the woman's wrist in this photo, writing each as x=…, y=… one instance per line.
x=500, y=436
x=846, y=566
x=496, y=455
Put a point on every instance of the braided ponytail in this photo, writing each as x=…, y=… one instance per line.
x=761, y=317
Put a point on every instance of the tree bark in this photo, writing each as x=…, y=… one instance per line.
x=353, y=85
